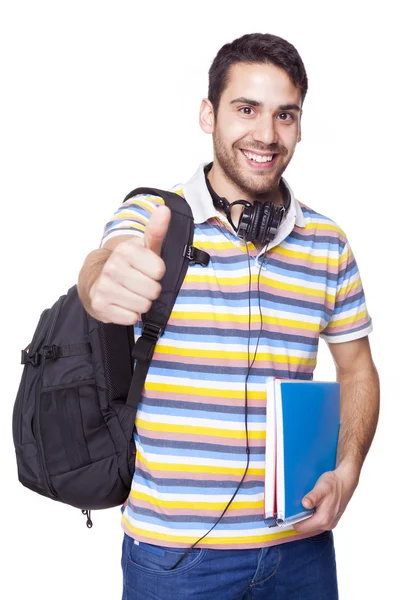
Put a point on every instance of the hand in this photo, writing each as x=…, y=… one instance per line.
x=330, y=496
x=129, y=280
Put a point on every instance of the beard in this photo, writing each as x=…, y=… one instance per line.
x=258, y=184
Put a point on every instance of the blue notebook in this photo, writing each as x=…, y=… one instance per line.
x=303, y=420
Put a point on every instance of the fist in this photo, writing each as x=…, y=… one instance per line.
x=129, y=280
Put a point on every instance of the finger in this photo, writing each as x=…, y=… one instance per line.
x=317, y=495
x=322, y=519
x=129, y=259
x=120, y=316
x=131, y=302
x=136, y=282
x=156, y=229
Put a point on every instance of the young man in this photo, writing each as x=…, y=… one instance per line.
x=256, y=310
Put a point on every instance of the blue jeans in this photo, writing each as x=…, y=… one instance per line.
x=300, y=570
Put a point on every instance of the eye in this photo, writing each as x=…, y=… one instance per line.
x=246, y=110
x=285, y=116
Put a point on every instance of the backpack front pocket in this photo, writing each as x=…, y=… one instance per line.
x=72, y=429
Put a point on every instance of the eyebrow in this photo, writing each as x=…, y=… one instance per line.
x=256, y=103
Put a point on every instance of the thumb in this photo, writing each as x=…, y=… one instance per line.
x=157, y=228
x=313, y=498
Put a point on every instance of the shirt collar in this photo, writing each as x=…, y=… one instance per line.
x=198, y=197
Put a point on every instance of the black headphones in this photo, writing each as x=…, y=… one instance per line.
x=259, y=222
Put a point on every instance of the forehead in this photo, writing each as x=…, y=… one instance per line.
x=262, y=82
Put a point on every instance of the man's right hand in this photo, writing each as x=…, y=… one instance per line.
x=129, y=281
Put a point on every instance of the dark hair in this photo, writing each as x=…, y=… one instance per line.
x=255, y=48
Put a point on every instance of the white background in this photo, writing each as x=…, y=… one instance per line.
x=100, y=97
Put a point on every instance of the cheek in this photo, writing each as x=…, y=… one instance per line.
x=231, y=131
x=289, y=138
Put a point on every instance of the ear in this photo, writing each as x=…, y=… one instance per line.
x=206, y=116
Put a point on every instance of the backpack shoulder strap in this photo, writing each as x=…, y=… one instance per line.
x=177, y=252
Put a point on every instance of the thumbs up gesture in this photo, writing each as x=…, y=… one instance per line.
x=129, y=280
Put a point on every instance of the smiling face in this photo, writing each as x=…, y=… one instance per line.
x=255, y=131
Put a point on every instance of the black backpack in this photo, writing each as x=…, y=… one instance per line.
x=82, y=380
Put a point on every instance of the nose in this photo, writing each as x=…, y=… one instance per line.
x=265, y=130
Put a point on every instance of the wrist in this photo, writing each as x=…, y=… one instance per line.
x=349, y=469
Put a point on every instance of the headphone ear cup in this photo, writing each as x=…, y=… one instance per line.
x=254, y=224
x=265, y=223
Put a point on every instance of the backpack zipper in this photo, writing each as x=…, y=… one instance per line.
x=17, y=418
x=46, y=479
x=20, y=397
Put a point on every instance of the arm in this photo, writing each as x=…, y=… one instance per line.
x=359, y=401
x=359, y=408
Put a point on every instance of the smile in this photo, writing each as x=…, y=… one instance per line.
x=258, y=157
x=259, y=161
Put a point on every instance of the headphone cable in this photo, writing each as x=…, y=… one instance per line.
x=249, y=367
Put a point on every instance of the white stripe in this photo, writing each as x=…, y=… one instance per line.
x=202, y=383
x=202, y=462
x=348, y=313
x=222, y=347
x=202, y=309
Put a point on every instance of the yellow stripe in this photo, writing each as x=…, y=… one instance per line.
x=148, y=205
x=195, y=430
x=221, y=318
x=190, y=468
x=198, y=505
x=130, y=226
x=320, y=260
x=327, y=226
x=208, y=541
x=352, y=319
x=190, y=390
x=232, y=355
x=128, y=215
x=351, y=286
x=213, y=245
x=244, y=280
x=345, y=257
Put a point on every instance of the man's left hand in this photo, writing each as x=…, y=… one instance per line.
x=330, y=496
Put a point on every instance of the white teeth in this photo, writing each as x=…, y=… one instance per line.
x=257, y=157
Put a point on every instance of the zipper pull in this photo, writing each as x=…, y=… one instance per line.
x=89, y=522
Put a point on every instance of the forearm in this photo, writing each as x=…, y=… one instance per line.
x=88, y=274
x=359, y=399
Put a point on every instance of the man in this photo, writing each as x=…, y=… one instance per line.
x=194, y=524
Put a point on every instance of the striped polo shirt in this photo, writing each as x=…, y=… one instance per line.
x=190, y=425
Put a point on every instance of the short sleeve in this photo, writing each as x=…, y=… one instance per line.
x=131, y=218
x=350, y=319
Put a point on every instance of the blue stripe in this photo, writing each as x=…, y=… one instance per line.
x=228, y=520
x=199, y=524
x=170, y=334
x=347, y=305
x=352, y=302
x=164, y=368
x=268, y=302
x=198, y=414
x=234, y=410
x=313, y=275
x=214, y=333
x=195, y=486
x=213, y=449
x=163, y=451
